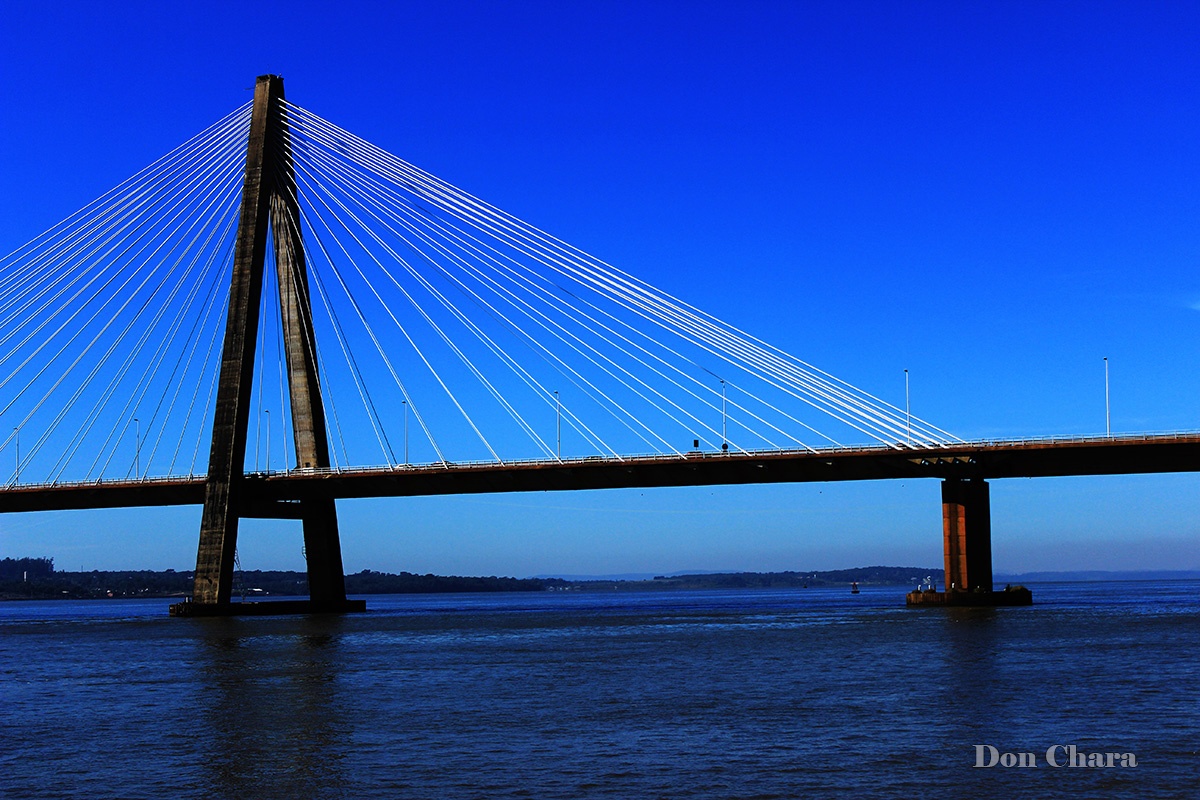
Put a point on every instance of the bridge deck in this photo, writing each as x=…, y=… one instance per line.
x=268, y=495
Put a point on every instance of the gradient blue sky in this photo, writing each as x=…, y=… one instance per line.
x=994, y=196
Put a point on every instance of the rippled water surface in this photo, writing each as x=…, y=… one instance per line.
x=766, y=694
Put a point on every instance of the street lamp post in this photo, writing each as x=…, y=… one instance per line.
x=724, y=421
x=907, y=410
x=558, y=426
x=267, y=411
x=17, y=464
x=405, y=404
x=1107, y=406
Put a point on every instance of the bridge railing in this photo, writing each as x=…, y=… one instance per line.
x=148, y=480
x=1148, y=436
x=898, y=447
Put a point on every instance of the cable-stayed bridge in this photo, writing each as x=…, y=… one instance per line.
x=279, y=314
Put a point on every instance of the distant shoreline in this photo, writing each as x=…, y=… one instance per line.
x=47, y=583
x=102, y=584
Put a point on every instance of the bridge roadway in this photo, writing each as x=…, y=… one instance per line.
x=275, y=495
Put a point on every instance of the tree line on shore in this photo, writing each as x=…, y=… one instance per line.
x=36, y=578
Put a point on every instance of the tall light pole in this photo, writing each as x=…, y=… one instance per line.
x=137, y=449
x=1107, y=407
x=405, y=404
x=17, y=466
x=724, y=421
x=558, y=426
x=907, y=410
x=267, y=411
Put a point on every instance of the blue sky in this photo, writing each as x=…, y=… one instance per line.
x=994, y=196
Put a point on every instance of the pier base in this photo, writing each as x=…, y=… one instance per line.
x=967, y=545
x=1015, y=596
x=189, y=608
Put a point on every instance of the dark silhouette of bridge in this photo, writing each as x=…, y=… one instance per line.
x=279, y=495
x=270, y=221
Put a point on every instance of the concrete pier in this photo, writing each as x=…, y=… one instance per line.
x=1015, y=596
x=967, y=549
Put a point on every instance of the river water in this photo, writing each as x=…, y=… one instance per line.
x=722, y=694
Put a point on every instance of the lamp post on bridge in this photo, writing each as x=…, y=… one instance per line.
x=17, y=464
x=558, y=426
x=907, y=410
x=724, y=421
x=1107, y=407
x=405, y=404
x=267, y=411
x=137, y=449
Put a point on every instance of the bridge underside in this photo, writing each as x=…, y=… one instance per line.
x=981, y=462
x=278, y=495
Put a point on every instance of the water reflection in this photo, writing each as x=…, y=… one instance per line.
x=270, y=689
x=968, y=676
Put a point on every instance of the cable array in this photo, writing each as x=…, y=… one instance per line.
x=109, y=321
x=501, y=339
x=446, y=331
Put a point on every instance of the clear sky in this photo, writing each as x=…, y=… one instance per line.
x=993, y=196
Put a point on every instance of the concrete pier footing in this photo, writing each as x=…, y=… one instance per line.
x=1015, y=596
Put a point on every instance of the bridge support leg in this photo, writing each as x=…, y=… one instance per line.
x=323, y=553
x=967, y=535
x=223, y=489
x=322, y=548
x=967, y=546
